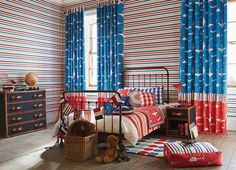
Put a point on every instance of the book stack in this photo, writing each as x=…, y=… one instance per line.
x=183, y=129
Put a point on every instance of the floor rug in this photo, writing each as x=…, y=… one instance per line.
x=153, y=147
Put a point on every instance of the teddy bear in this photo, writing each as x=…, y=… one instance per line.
x=111, y=152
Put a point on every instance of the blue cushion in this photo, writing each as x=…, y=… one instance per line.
x=125, y=101
x=125, y=110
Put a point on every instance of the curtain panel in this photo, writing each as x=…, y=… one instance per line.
x=74, y=51
x=203, y=61
x=110, y=24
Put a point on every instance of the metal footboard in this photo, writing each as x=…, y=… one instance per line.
x=85, y=101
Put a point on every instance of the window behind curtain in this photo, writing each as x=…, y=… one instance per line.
x=232, y=43
x=90, y=27
x=231, y=46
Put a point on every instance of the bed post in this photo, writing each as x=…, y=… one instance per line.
x=120, y=128
x=168, y=84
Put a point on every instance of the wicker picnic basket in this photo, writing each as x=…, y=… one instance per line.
x=80, y=148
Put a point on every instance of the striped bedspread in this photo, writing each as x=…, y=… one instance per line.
x=198, y=147
x=142, y=118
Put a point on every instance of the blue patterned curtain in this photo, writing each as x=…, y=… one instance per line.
x=110, y=22
x=203, y=61
x=74, y=54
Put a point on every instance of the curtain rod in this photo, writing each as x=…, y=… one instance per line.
x=75, y=9
x=81, y=6
x=104, y=2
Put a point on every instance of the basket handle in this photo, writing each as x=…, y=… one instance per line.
x=92, y=137
x=70, y=129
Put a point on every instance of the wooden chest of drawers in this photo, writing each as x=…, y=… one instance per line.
x=22, y=112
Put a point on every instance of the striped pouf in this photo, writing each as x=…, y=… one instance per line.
x=177, y=154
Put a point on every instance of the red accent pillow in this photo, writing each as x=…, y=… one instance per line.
x=147, y=99
x=124, y=92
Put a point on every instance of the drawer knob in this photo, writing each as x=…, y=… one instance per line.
x=14, y=130
x=38, y=115
x=16, y=108
x=39, y=125
x=38, y=105
x=177, y=114
x=37, y=95
x=14, y=119
x=16, y=97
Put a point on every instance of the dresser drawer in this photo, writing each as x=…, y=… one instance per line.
x=14, y=130
x=23, y=96
x=21, y=107
x=14, y=119
x=177, y=113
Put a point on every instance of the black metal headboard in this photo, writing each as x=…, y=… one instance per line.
x=147, y=77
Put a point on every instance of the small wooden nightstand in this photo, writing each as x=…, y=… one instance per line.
x=178, y=120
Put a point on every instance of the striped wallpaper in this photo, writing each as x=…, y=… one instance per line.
x=232, y=102
x=33, y=36
x=31, y=41
x=152, y=36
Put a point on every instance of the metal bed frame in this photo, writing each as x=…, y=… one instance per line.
x=92, y=104
x=146, y=80
x=134, y=80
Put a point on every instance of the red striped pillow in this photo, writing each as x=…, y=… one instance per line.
x=147, y=98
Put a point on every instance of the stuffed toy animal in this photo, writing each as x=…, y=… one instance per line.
x=111, y=152
x=122, y=153
x=81, y=128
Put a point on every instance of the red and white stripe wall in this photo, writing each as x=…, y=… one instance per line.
x=33, y=36
x=32, y=32
x=31, y=41
x=152, y=36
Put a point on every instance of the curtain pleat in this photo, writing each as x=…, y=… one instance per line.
x=74, y=54
x=203, y=61
x=110, y=22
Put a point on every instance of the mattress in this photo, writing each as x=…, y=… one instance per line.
x=134, y=126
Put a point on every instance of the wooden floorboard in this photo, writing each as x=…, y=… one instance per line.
x=27, y=152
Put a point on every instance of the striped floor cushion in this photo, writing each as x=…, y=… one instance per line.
x=178, y=154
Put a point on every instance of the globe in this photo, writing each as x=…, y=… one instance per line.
x=31, y=79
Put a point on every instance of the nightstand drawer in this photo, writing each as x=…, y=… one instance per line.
x=14, y=119
x=21, y=107
x=177, y=113
x=18, y=129
x=23, y=96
